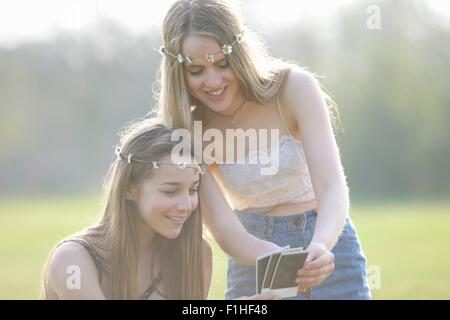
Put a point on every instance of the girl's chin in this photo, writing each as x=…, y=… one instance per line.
x=171, y=235
x=218, y=110
x=218, y=107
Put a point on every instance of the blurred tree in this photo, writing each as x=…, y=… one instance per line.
x=62, y=102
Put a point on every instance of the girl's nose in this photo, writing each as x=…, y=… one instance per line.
x=213, y=80
x=185, y=202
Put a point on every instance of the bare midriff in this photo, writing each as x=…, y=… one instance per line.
x=289, y=209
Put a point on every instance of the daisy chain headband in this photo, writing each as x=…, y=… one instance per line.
x=227, y=49
x=200, y=168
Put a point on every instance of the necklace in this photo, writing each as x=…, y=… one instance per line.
x=232, y=118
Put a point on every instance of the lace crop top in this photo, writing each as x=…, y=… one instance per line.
x=245, y=188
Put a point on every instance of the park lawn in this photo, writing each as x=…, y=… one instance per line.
x=407, y=242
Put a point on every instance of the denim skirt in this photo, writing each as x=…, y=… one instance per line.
x=348, y=280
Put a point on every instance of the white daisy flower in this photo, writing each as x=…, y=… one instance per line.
x=180, y=58
x=227, y=49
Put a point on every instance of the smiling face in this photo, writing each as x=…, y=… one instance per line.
x=213, y=84
x=167, y=199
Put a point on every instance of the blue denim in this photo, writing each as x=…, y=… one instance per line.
x=348, y=280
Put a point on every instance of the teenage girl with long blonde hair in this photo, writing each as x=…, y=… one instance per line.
x=216, y=70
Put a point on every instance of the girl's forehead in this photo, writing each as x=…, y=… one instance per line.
x=173, y=177
x=198, y=45
x=174, y=173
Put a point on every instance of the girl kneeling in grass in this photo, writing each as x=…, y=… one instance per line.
x=148, y=243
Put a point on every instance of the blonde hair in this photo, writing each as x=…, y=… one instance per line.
x=261, y=76
x=116, y=232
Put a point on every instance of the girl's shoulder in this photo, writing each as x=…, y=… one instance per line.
x=297, y=81
x=69, y=256
x=72, y=271
x=301, y=89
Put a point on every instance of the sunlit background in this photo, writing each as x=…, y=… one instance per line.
x=73, y=72
x=24, y=20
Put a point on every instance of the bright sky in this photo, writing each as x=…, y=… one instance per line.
x=23, y=19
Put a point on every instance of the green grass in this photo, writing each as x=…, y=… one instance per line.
x=409, y=242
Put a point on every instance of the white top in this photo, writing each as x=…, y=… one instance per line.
x=245, y=188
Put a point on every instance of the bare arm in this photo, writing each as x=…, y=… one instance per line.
x=226, y=228
x=304, y=99
x=72, y=274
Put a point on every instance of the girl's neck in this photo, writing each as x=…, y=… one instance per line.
x=238, y=112
x=145, y=240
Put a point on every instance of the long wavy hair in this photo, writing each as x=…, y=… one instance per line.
x=261, y=76
x=115, y=236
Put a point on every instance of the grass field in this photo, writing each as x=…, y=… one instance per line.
x=408, y=242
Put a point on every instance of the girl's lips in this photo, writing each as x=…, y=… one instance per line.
x=177, y=220
x=218, y=97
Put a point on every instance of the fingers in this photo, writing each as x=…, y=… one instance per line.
x=320, y=261
x=307, y=282
x=315, y=272
x=322, y=266
x=326, y=270
x=315, y=250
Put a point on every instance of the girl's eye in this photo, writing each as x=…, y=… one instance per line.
x=170, y=192
x=223, y=64
x=193, y=191
x=195, y=72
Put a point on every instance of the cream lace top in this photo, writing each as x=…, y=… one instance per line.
x=245, y=188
